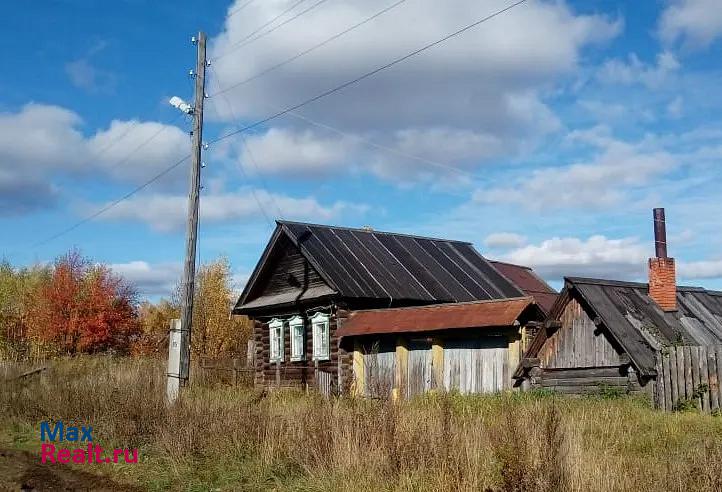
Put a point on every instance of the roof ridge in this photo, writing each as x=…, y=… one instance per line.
x=371, y=231
x=511, y=264
x=438, y=305
x=638, y=285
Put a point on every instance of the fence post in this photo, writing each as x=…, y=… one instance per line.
x=235, y=372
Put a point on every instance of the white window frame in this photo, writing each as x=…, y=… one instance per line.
x=296, y=332
x=320, y=328
x=275, y=340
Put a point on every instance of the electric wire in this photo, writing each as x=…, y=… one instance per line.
x=113, y=203
x=253, y=161
x=274, y=28
x=277, y=115
x=309, y=50
x=378, y=146
x=237, y=43
x=238, y=9
x=367, y=74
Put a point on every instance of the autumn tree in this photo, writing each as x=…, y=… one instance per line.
x=83, y=307
x=154, y=322
x=17, y=291
x=216, y=332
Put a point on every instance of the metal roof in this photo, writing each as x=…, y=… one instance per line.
x=639, y=324
x=529, y=282
x=479, y=314
x=363, y=263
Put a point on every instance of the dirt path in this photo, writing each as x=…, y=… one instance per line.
x=22, y=470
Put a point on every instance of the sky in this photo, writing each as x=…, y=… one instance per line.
x=544, y=135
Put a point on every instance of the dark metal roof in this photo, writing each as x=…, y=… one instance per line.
x=367, y=264
x=364, y=263
x=529, y=282
x=641, y=327
x=478, y=314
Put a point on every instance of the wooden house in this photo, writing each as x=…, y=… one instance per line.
x=657, y=338
x=469, y=347
x=310, y=278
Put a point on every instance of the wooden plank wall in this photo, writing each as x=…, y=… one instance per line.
x=419, y=373
x=379, y=370
x=689, y=375
x=577, y=343
x=476, y=365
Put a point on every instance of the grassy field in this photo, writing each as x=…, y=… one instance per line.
x=221, y=438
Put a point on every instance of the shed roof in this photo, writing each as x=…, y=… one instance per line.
x=368, y=264
x=529, y=282
x=479, y=314
x=640, y=326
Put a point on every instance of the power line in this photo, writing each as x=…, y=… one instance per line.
x=368, y=74
x=238, y=9
x=233, y=46
x=252, y=159
x=266, y=33
x=112, y=204
x=309, y=50
x=385, y=148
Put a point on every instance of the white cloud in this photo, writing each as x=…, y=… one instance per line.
x=504, y=240
x=121, y=150
x=695, y=22
x=635, y=71
x=165, y=212
x=286, y=152
x=84, y=75
x=41, y=141
x=603, y=181
x=602, y=257
x=597, y=256
x=150, y=279
x=477, y=95
x=705, y=269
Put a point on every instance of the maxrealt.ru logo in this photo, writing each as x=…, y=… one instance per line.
x=90, y=453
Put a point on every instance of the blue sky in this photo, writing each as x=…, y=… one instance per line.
x=545, y=136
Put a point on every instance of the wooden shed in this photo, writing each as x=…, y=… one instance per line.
x=657, y=338
x=311, y=277
x=469, y=347
x=613, y=334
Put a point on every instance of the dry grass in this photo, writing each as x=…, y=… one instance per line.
x=238, y=439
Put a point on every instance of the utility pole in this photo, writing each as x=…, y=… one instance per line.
x=189, y=270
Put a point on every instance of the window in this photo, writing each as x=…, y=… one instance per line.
x=295, y=326
x=319, y=323
x=275, y=338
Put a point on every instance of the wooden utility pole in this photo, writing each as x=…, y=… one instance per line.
x=189, y=270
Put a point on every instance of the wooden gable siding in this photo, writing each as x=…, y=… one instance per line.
x=578, y=343
x=289, y=271
x=301, y=373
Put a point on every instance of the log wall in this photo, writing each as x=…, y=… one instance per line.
x=300, y=374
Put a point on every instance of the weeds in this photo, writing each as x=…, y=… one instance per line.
x=238, y=439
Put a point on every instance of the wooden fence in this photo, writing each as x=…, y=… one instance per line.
x=689, y=376
x=324, y=383
x=227, y=371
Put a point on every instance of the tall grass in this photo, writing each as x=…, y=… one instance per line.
x=240, y=439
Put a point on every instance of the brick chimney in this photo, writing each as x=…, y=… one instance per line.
x=662, y=278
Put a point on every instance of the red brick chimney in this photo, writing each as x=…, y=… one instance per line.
x=662, y=278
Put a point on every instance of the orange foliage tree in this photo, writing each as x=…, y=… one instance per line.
x=83, y=308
